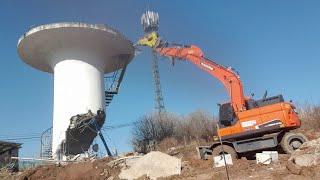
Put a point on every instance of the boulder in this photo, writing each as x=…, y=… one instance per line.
x=154, y=164
x=307, y=155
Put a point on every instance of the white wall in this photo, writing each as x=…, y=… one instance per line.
x=78, y=87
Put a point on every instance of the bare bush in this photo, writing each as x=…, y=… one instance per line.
x=152, y=129
x=201, y=126
x=309, y=115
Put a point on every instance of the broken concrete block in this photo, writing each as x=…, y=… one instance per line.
x=154, y=165
x=263, y=158
x=129, y=161
x=274, y=155
x=307, y=155
x=219, y=160
x=306, y=160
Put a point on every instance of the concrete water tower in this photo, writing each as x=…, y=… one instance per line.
x=78, y=55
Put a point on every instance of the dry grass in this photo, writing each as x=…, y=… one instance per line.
x=310, y=116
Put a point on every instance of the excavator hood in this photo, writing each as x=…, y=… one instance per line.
x=150, y=40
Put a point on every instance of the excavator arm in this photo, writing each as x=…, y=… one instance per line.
x=193, y=54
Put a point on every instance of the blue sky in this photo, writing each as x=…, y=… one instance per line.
x=275, y=45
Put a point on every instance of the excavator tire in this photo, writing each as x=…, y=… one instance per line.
x=292, y=141
x=217, y=151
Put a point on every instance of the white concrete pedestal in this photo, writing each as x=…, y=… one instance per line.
x=78, y=88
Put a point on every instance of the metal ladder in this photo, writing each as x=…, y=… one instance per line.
x=112, y=84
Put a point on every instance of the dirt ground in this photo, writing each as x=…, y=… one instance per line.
x=94, y=170
x=192, y=168
x=242, y=169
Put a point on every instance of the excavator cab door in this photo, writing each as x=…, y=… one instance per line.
x=227, y=115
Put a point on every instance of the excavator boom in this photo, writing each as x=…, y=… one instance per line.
x=193, y=54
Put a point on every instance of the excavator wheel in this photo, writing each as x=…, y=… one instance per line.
x=217, y=151
x=292, y=141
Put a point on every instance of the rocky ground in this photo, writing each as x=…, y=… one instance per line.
x=245, y=169
x=303, y=164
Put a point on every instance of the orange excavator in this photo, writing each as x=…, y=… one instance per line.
x=246, y=125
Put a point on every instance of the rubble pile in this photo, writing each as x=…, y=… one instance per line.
x=154, y=165
x=304, y=163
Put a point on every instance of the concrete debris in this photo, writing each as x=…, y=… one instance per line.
x=219, y=160
x=124, y=161
x=173, y=151
x=266, y=157
x=81, y=121
x=154, y=165
x=81, y=132
x=130, y=161
x=306, y=156
x=82, y=157
x=274, y=155
x=307, y=160
x=263, y=158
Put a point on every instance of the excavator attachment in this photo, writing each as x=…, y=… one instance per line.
x=151, y=40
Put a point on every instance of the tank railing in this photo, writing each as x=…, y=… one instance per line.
x=46, y=144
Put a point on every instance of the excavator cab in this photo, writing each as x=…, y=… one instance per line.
x=227, y=116
x=251, y=103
